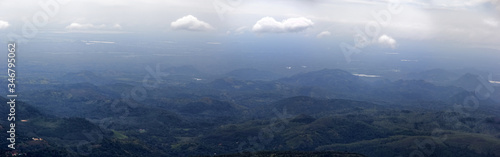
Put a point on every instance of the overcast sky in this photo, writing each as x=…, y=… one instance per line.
x=474, y=23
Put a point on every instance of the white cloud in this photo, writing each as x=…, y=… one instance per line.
x=491, y=22
x=75, y=25
x=270, y=25
x=4, y=24
x=387, y=40
x=190, y=23
x=323, y=34
x=89, y=27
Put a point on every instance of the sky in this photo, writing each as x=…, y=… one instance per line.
x=471, y=21
x=389, y=25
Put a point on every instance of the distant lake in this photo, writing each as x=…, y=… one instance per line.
x=495, y=82
x=366, y=75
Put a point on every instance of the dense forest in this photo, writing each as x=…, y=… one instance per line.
x=323, y=113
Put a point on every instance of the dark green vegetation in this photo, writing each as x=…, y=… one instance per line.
x=293, y=154
x=322, y=113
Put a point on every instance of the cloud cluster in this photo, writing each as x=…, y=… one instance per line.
x=4, y=24
x=387, y=40
x=190, y=23
x=323, y=34
x=270, y=25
